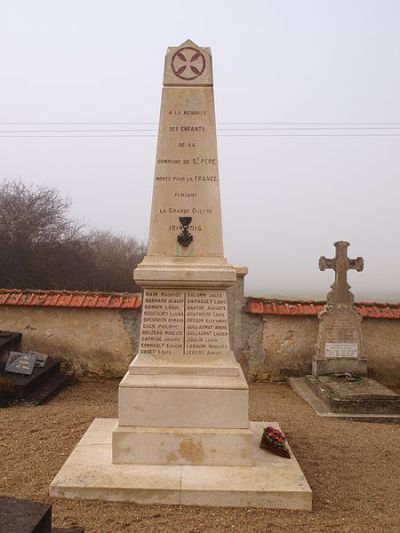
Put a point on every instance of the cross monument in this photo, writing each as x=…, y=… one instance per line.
x=340, y=292
x=339, y=344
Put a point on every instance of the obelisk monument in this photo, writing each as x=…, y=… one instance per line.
x=183, y=434
x=185, y=375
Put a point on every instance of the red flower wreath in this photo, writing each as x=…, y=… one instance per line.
x=274, y=440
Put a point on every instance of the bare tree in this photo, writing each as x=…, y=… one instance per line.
x=42, y=247
x=115, y=257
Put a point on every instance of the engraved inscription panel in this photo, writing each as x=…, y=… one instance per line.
x=184, y=322
x=186, y=182
x=162, y=330
x=341, y=349
x=341, y=330
x=206, y=322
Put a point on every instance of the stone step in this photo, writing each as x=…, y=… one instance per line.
x=48, y=389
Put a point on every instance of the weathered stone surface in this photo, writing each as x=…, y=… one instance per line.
x=339, y=345
x=340, y=293
x=90, y=342
x=362, y=396
x=314, y=398
x=180, y=446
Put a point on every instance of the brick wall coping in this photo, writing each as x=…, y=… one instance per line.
x=73, y=299
x=116, y=300
x=263, y=306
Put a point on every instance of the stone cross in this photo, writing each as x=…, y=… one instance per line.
x=340, y=293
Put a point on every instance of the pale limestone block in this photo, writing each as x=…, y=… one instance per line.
x=273, y=482
x=183, y=407
x=195, y=446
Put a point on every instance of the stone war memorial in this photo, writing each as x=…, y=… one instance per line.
x=183, y=434
x=339, y=385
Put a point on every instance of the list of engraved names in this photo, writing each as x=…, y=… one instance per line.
x=162, y=328
x=190, y=322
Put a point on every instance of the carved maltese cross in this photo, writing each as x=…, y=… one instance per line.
x=188, y=63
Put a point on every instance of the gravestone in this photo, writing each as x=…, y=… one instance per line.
x=31, y=377
x=339, y=385
x=183, y=434
x=339, y=344
x=21, y=363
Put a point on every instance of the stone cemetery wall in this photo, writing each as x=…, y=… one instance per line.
x=280, y=339
x=94, y=335
x=97, y=335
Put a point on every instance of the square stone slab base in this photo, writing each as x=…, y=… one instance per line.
x=272, y=482
x=365, y=400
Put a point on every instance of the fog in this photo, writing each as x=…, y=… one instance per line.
x=308, y=118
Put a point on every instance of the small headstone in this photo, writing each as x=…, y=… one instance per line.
x=339, y=344
x=21, y=363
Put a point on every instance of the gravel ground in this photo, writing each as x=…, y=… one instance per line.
x=352, y=467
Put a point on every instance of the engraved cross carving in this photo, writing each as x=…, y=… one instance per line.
x=340, y=293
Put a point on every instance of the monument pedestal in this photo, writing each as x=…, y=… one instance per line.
x=271, y=482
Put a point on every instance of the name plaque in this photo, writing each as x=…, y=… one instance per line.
x=162, y=330
x=341, y=330
x=206, y=323
x=21, y=363
x=184, y=322
x=341, y=349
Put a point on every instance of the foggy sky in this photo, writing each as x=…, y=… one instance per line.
x=286, y=195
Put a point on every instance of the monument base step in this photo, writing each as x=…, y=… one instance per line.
x=272, y=481
x=225, y=366
x=373, y=409
x=183, y=401
x=180, y=446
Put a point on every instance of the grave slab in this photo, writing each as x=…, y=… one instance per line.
x=271, y=482
x=383, y=407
